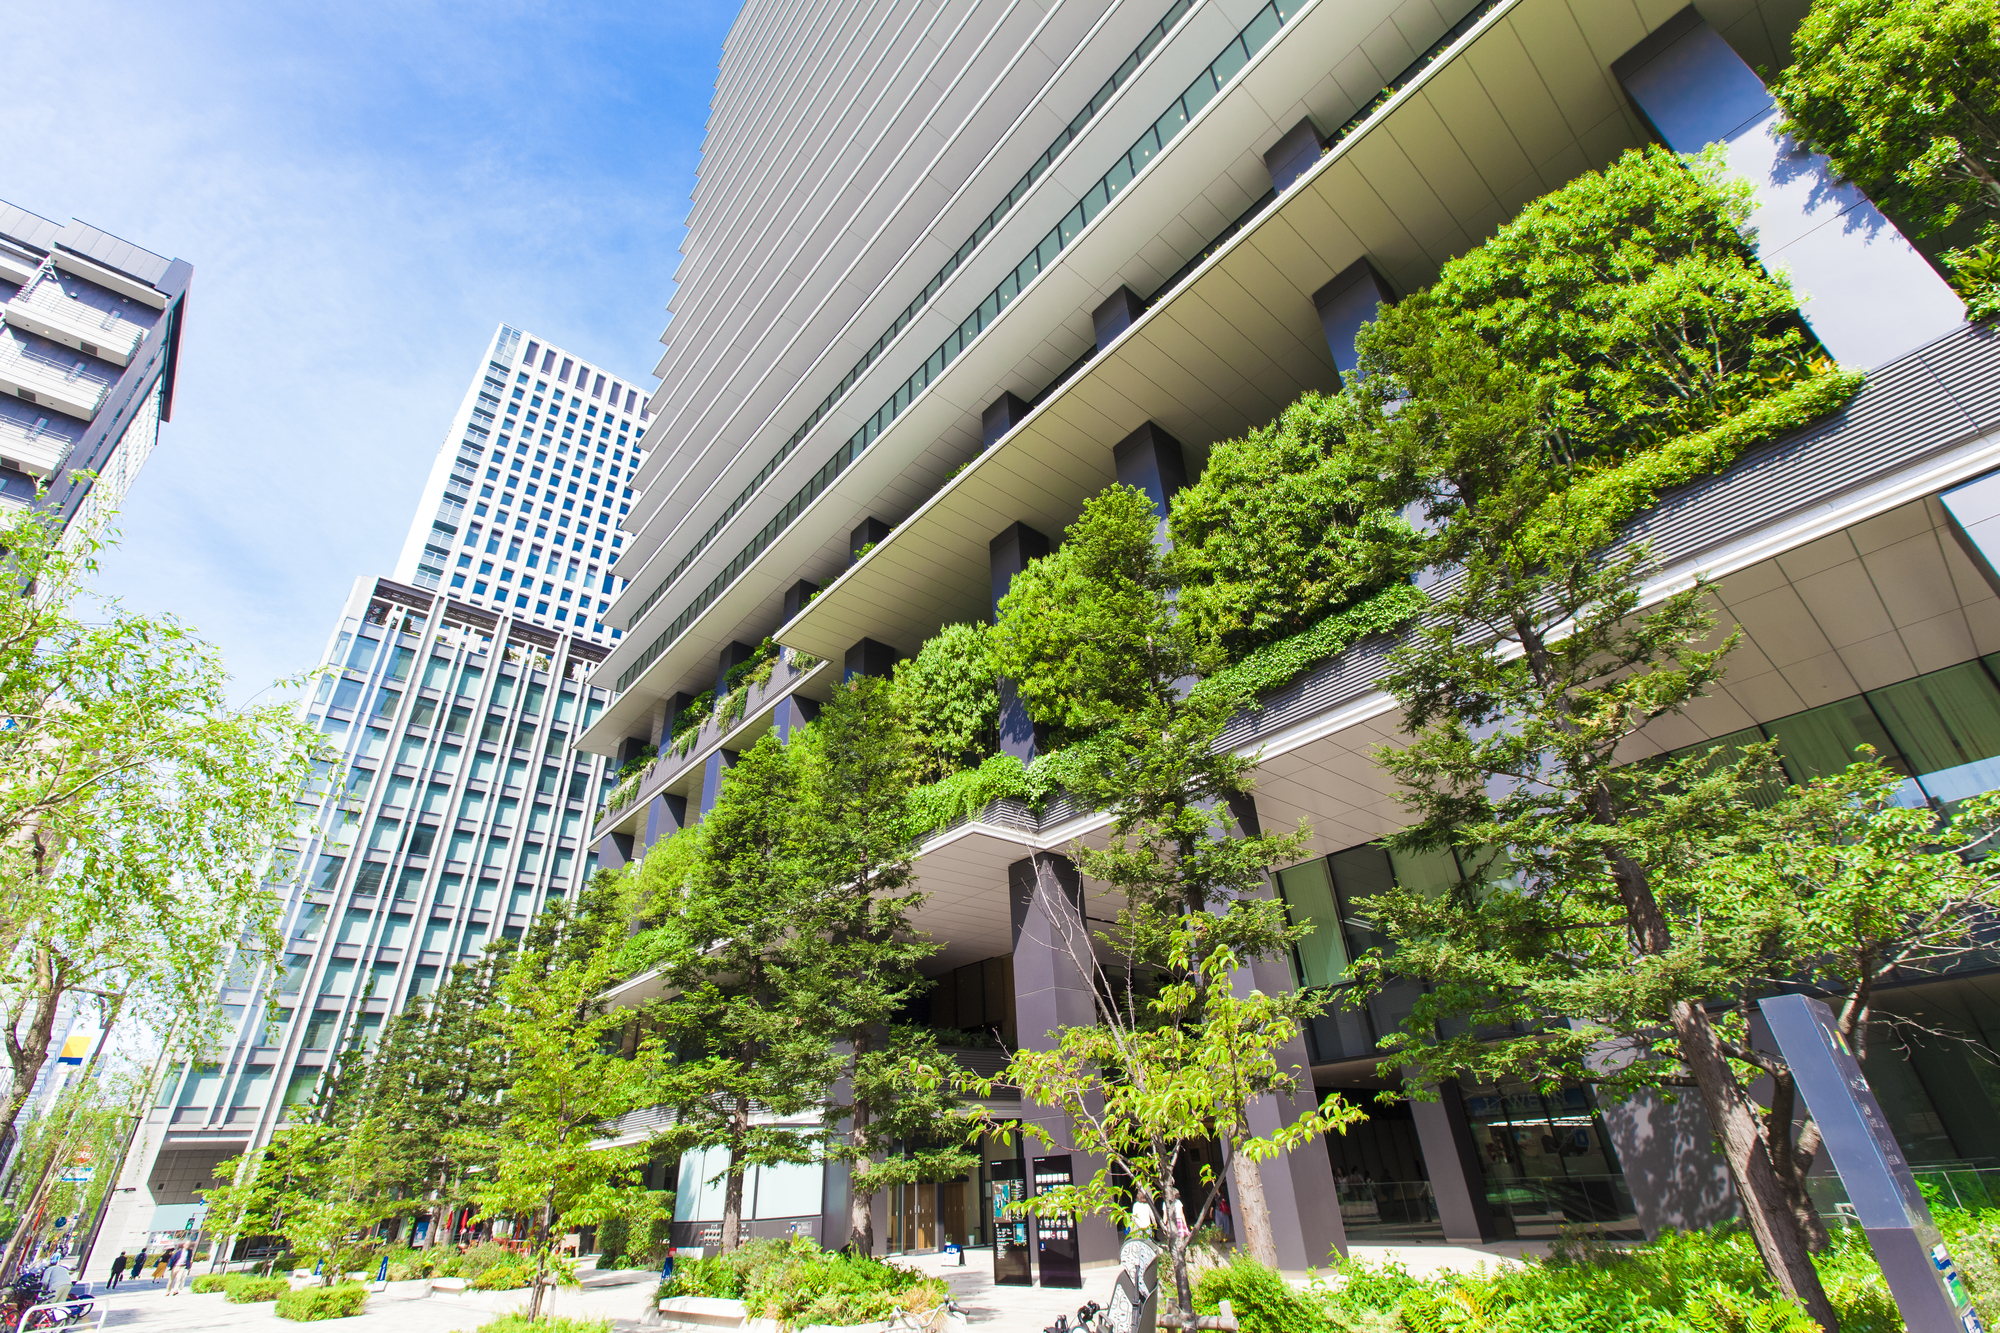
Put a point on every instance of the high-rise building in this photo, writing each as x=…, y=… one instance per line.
x=939, y=290
x=458, y=804
x=88, y=354
x=523, y=505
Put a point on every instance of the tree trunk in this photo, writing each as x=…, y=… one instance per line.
x=541, y=1263
x=860, y=1206
x=1791, y=1164
x=732, y=1190
x=1253, y=1211
x=1765, y=1201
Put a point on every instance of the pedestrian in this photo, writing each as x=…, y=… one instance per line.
x=179, y=1264
x=139, y=1262
x=117, y=1270
x=160, y=1265
x=1142, y=1216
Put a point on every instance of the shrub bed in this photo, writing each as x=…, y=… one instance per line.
x=209, y=1282
x=248, y=1289
x=504, y=1277
x=516, y=1323
x=797, y=1283
x=1695, y=1282
x=311, y=1303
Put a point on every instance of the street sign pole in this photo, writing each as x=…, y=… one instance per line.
x=1879, y=1184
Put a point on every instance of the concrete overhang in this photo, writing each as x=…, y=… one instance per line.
x=1250, y=341
x=1522, y=103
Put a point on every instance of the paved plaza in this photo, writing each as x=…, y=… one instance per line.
x=405, y=1307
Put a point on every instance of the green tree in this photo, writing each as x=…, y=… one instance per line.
x=1193, y=878
x=748, y=1066
x=138, y=807
x=855, y=768
x=1156, y=1077
x=1285, y=526
x=950, y=696
x=1610, y=341
x=567, y=1081
x=1903, y=98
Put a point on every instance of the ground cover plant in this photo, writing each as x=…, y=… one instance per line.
x=798, y=1284
x=1693, y=1282
x=249, y=1289
x=309, y=1304
x=516, y=1323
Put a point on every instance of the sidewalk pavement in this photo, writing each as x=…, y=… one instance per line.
x=144, y=1306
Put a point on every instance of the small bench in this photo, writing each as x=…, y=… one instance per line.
x=451, y=1284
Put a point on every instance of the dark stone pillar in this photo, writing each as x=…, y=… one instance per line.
x=718, y=763
x=666, y=714
x=868, y=658
x=1009, y=554
x=867, y=533
x=735, y=655
x=1866, y=292
x=1458, y=1182
x=1151, y=460
x=1666, y=1151
x=792, y=713
x=1051, y=992
x=628, y=749
x=1001, y=415
x=614, y=850
x=797, y=596
x=1298, y=1186
x=1294, y=155
x=665, y=816
x=1118, y=313
x=1345, y=304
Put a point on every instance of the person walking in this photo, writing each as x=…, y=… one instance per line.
x=137, y=1267
x=118, y=1270
x=179, y=1265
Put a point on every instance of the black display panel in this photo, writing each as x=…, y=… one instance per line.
x=1056, y=1249
x=1011, y=1254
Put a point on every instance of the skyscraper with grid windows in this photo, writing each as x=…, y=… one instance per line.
x=522, y=508
x=456, y=805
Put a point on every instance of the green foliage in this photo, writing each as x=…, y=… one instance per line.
x=1263, y=1301
x=1284, y=528
x=612, y=1238
x=1699, y=1282
x=1903, y=97
x=342, y=1301
x=206, y=1283
x=568, y=1078
x=949, y=697
x=478, y=1259
x=798, y=1284
x=141, y=811
x=1084, y=630
x=965, y=793
x=515, y=1273
x=1272, y=665
x=245, y=1289
x=514, y=1323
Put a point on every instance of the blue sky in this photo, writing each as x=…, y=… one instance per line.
x=364, y=191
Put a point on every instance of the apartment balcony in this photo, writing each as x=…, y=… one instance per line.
x=46, y=311
x=63, y=390
x=678, y=771
x=33, y=447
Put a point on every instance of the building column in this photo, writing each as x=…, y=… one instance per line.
x=1009, y=554
x=713, y=769
x=1150, y=460
x=869, y=657
x=1354, y=297
x=1864, y=289
x=1001, y=415
x=796, y=598
x=1294, y=155
x=1458, y=1181
x=1666, y=1152
x=1117, y=313
x=1051, y=992
x=614, y=850
x=731, y=657
x=665, y=714
x=1298, y=1185
x=866, y=533
x=666, y=815
x=792, y=713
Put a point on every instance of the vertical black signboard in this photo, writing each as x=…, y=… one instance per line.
x=1056, y=1248
x=1011, y=1255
